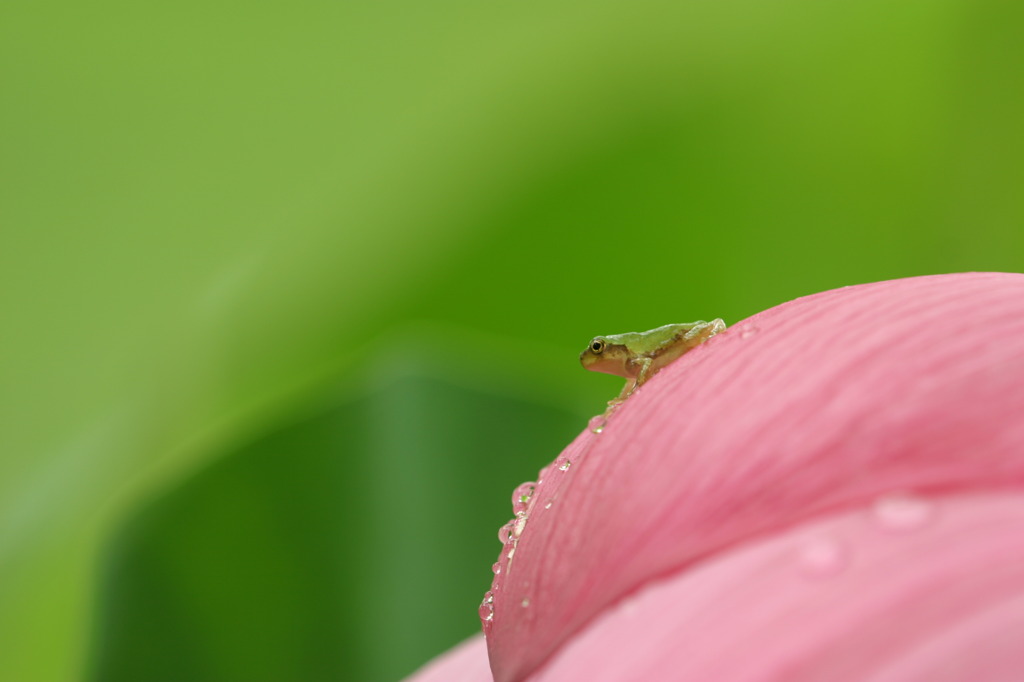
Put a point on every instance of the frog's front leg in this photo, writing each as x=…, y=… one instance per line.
x=626, y=391
x=642, y=375
x=645, y=372
x=631, y=384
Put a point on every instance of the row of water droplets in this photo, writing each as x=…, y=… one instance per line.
x=524, y=503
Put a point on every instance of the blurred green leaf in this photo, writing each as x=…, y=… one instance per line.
x=345, y=546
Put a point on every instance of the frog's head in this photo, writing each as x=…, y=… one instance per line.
x=602, y=356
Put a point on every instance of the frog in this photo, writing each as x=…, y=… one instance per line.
x=637, y=356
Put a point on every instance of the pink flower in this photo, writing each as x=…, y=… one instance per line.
x=832, y=489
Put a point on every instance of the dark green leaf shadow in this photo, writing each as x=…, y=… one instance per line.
x=352, y=545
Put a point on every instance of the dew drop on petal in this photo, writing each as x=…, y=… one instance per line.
x=549, y=503
x=486, y=610
x=522, y=495
x=526, y=603
x=821, y=558
x=520, y=525
x=596, y=424
x=496, y=568
x=901, y=512
x=505, y=532
x=564, y=466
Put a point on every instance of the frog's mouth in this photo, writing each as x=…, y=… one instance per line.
x=608, y=362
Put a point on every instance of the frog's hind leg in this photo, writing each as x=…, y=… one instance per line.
x=706, y=330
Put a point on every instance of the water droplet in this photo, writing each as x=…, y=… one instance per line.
x=496, y=568
x=505, y=532
x=596, y=424
x=564, y=466
x=520, y=525
x=526, y=603
x=549, y=503
x=901, y=512
x=821, y=558
x=511, y=553
x=522, y=495
x=486, y=610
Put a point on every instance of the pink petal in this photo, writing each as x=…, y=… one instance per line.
x=466, y=662
x=860, y=596
x=816, y=406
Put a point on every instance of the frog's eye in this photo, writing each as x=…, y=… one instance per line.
x=597, y=345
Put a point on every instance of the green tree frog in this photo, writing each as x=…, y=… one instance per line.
x=638, y=356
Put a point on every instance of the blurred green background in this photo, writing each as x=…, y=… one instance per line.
x=291, y=294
